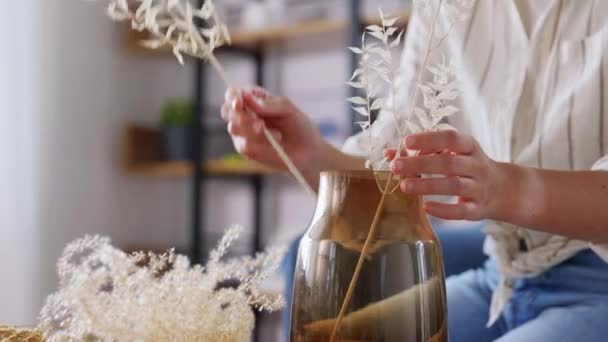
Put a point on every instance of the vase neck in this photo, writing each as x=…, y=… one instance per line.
x=349, y=200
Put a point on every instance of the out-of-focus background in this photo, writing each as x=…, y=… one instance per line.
x=96, y=133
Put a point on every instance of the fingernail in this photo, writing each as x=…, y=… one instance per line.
x=234, y=104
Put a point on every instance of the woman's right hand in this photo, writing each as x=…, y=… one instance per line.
x=248, y=111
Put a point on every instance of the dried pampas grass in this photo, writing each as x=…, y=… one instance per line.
x=107, y=295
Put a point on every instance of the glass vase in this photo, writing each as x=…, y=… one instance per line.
x=398, y=293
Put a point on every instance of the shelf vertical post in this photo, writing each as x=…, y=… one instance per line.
x=354, y=39
x=257, y=181
x=197, y=237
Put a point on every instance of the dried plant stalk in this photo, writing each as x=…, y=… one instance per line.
x=364, y=251
x=173, y=22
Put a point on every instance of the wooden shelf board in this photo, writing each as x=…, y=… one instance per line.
x=249, y=39
x=180, y=169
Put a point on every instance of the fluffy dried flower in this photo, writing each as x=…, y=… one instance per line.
x=172, y=22
x=108, y=295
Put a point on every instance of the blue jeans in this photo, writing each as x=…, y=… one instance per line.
x=461, y=249
x=566, y=303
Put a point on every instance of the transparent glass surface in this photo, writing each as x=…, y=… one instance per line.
x=400, y=292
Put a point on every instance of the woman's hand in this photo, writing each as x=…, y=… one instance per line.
x=248, y=111
x=466, y=172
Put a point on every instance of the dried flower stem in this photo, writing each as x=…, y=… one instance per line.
x=364, y=251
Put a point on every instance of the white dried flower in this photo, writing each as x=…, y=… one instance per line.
x=173, y=22
x=437, y=95
x=107, y=295
x=379, y=77
x=376, y=63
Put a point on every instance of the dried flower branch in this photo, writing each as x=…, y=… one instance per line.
x=173, y=22
x=107, y=295
x=377, y=71
x=437, y=94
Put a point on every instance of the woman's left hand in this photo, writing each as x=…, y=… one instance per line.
x=466, y=172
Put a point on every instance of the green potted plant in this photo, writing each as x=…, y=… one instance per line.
x=176, y=121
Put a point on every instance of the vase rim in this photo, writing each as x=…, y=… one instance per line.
x=365, y=174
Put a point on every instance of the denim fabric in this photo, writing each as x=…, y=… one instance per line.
x=567, y=303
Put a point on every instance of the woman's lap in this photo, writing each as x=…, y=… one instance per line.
x=566, y=303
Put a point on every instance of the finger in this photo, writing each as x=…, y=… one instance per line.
x=390, y=153
x=259, y=92
x=466, y=210
x=450, y=186
x=442, y=140
x=278, y=136
x=269, y=106
x=246, y=126
x=248, y=147
x=427, y=152
x=226, y=108
x=234, y=98
x=442, y=164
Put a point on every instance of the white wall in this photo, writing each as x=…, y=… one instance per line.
x=19, y=243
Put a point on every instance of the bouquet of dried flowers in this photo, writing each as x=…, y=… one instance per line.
x=380, y=79
x=107, y=295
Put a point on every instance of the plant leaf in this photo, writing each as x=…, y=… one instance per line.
x=361, y=110
x=357, y=101
x=355, y=74
x=397, y=40
x=391, y=31
x=377, y=104
x=357, y=85
x=363, y=124
x=378, y=35
x=445, y=127
x=389, y=21
x=374, y=28
x=356, y=50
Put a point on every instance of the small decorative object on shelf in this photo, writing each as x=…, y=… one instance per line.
x=176, y=122
x=107, y=295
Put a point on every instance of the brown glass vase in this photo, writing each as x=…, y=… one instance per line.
x=399, y=294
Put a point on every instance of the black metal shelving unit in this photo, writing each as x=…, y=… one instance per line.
x=255, y=180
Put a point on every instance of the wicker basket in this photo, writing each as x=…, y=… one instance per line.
x=11, y=334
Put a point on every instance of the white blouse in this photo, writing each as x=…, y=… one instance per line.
x=534, y=92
